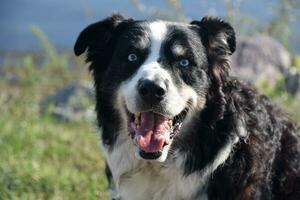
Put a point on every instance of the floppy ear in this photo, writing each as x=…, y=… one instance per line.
x=97, y=40
x=219, y=39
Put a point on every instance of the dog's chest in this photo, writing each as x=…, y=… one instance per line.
x=142, y=180
x=146, y=184
x=153, y=185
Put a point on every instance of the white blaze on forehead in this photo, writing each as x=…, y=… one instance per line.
x=158, y=31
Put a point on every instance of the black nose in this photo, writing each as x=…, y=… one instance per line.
x=152, y=91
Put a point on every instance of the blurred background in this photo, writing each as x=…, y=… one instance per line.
x=48, y=138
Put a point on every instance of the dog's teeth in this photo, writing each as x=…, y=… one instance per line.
x=137, y=118
x=170, y=122
x=135, y=139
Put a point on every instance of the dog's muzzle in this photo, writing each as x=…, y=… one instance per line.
x=153, y=123
x=152, y=92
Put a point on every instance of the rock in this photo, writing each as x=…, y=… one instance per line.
x=73, y=102
x=260, y=58
x=292, y=83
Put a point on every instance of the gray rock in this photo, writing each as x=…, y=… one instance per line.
x=73, y=102
x=292, y=81
x=260, y=58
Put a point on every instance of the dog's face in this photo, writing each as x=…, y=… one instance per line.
x=156, y=74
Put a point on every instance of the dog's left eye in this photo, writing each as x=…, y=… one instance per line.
x=132, y=57
x=184, y=62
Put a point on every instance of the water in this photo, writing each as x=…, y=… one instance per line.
x=62, y=20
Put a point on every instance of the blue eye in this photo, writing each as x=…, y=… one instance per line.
x=184, y=62
x=132, y=57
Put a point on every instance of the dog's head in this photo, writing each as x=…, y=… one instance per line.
x=152, y=75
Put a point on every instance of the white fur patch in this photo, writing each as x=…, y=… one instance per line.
x=223, y=154
x=241, y=129
x=158, y=31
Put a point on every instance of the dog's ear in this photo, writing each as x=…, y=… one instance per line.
x=97, y=34
x=97, y=40
x=218, y=37
x=216, y=34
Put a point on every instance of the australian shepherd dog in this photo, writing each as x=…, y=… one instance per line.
x=175, y=125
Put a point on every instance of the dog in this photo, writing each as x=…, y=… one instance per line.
x=175, y=125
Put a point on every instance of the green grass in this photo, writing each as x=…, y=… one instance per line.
x=42, y=158
x=282, y=98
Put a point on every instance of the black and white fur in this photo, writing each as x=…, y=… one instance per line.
x=233, y=142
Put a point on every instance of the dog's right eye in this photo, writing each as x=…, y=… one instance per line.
x=184, y=62
x=132, y=57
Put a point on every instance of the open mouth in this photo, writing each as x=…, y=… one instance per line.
x=152, y=131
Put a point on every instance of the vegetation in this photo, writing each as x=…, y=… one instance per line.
x=282, y=98
x=42, y=158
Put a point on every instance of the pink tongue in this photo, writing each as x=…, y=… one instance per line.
x=153, y=132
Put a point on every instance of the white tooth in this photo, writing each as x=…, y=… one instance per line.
x=160, y=136
x=137, y=118
x=168, y=140
x=170, y=123
x=136, y=138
